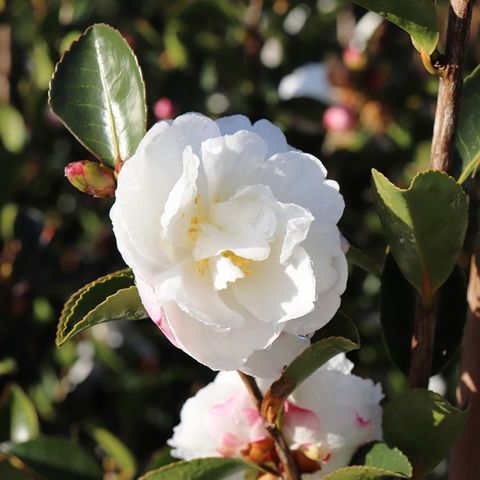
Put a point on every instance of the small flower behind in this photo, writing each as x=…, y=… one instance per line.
x=325, y=420
x=232, y=236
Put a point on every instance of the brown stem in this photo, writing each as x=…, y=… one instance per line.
x=450, y=87
x=422, y=346
x=290, y=468
x=443, y=144
x=464, y=459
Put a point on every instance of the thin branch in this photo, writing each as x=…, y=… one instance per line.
x=443, y=147
x=450, y=87
x=422, y=346
x=290, y=468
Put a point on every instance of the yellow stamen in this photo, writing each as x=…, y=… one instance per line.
x=240, y=262
x=202, y=266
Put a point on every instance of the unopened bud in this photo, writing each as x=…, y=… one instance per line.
x=91, y=178
x=338, y=119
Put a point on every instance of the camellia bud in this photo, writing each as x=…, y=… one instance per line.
x=92, y=178
x=338, y=119
x=164, y=108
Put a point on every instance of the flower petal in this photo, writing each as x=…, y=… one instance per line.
x=226, y=350
x=275, y=292
x=270, y=363
x=232, y=161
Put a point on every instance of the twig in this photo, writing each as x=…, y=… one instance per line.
x=443, y=144
x=422, y=345
x=450, y=87
x=290, y=468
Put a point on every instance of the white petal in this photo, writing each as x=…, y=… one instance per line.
x=190, y=286
x=220, y=351
x=299, y=178
x=232, y=161
x=180, y=205
x=276, y=293
x=223, y=271
x=147, y=178
x=244, y=225
x=272, y=135
x=269, y=363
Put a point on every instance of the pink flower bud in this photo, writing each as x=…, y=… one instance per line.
x=163, y=108
x=338, y=119
x=91, y=178
x=354, y=59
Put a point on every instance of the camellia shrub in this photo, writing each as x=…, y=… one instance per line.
x=232, y=246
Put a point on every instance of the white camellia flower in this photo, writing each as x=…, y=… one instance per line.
x=232, y=238
x=326, y=419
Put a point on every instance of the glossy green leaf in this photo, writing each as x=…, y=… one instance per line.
x=468, y=129
x=417, y=17
x=115, y=449
x=97, y=91
x=380, y=455
x=112, y=297
x=13, y=133
x=201, y=469
x=424, y=225
x=56, y=459
x=338, y=336
x=424, y=426
x=362, y=472
x=397, y=315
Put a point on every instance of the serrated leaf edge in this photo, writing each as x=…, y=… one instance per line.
x=77, y=297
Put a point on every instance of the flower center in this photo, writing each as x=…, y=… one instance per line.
x=240, y=262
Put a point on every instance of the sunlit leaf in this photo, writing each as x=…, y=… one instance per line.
x=417, y=17
x=112, y=297
x=424, y=426
x=97, y=91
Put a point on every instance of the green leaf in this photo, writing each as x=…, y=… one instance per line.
x=338, y=336
x=380, y=455
x=18, y=417
x=13, y=133
x=56, y=459
x=8, y=365
x=97, y=91
x=112, y=297
x=201, y=469
x=424, y=226
x=468, y=129
x=115, y=449
x=362, y=472
x=417, y=17
x=9, y=472
x=357, y=257
x=424, y=426
x=23, y=417
x=397, y=316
